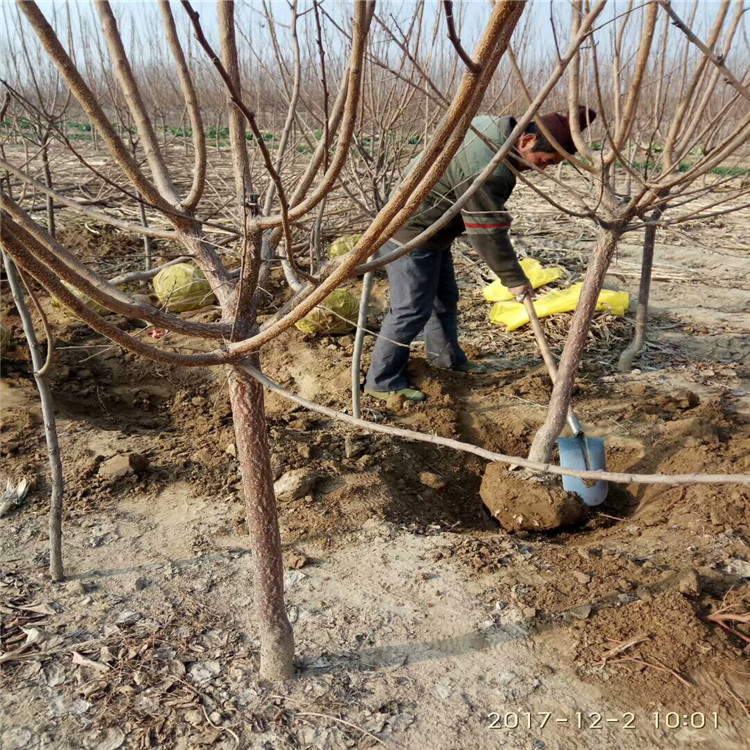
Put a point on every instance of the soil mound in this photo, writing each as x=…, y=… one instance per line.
x=532, y=504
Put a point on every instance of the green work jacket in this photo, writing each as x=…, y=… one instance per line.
x=484, y=218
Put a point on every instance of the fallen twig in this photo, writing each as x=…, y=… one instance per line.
x=621, y=648
x=218, y=726
x=743, y=705
x=18, y=656
x=342, y=721
x=612, y=518
x=725, y=614
x=674, y=502
x=661, y=667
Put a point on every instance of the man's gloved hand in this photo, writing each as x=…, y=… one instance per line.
x=524, y=290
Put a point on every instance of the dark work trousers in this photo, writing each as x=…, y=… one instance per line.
x=424, y=295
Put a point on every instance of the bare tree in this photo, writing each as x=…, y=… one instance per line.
x=238, y=336
x=623, y=195
x=260, y=210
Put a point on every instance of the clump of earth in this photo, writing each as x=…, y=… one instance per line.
x=528, y=503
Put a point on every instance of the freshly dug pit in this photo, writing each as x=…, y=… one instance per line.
x=528, y=504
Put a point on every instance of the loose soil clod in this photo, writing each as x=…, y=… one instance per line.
x=533, y=504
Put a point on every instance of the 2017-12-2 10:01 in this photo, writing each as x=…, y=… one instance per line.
x=594, y=720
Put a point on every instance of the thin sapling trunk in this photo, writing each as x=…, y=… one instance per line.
x=628, y=356
x=544, y=441
x=147, y=240
x=50, y=424
x=48, y=182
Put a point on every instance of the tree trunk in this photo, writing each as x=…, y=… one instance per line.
x=641, y=316
x=50, y=424
x=254, y=456
x=147, y=240
x=48, y=183
x=544, y=441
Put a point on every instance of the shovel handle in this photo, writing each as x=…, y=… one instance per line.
x=549, y=360
x=541, y=339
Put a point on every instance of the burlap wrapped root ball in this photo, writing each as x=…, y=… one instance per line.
x=4, y=340
x=95, y=306
x=342, y=245
x=183, y=287
x=336, y=315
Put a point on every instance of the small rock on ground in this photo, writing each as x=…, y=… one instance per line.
x=689, y=584
x=295, y=560
x=295, y=484
x=123, y=464
x=435, y=481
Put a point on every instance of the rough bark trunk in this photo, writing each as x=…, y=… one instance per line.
x=254, y=456
x=50, y=425
x=641, y=316
x=544, y=441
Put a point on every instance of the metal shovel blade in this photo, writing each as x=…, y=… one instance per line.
x=584, y=453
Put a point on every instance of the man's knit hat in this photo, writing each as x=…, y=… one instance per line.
x=558, y=125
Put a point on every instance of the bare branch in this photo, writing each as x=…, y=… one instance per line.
x=715, y=59
x=87, y=211
x=625, y=122
x=455, y=41
x=193, y=107
x=67, y=267
x=423, y=176
x=16, y=243
x=88, y=101
x=5, y=105
x=499, y=156
x=226, y=12
x=135, y=101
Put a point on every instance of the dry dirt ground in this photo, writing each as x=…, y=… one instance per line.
x=419, y=622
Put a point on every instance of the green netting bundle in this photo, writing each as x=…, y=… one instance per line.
x=326, y=322
x=4, y=340
x=183, y=287
x=342, y=245
x=95, y=306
